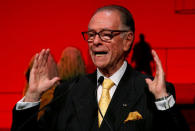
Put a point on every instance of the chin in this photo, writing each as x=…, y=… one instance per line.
x=100, y=65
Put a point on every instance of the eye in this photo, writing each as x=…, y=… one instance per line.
x=91, y=34
x=106, y=35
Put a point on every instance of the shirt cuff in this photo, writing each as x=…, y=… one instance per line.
x=165, y=103
x=21, y=105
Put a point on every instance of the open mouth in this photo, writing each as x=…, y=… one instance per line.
x=100, y=53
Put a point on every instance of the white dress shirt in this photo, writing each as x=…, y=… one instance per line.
x=116, y=77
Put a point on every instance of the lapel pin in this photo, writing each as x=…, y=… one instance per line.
x=124, y=105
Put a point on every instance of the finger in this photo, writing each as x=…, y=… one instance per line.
x=35, y=63
x=148, y=81
x=158, y=62
x=156, y=58
x=39, y=61
x=160, y=75
x=45, y=57
x=55, y=80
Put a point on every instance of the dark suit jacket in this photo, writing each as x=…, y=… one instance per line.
x=77, y=109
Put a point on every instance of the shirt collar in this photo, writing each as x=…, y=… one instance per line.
x=116, y=77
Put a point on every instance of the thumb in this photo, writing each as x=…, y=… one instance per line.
x=55, y=80
x=148, y=81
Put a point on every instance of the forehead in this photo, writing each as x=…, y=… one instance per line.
x=105, y=20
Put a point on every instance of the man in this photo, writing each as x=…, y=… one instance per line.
x=133, y=102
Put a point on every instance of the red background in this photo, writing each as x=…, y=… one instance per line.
x=27, y=26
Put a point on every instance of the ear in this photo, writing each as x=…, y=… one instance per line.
x=128, y=41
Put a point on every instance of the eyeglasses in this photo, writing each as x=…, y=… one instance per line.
x=104, y=35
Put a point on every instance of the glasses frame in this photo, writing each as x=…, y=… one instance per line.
x=98, y=33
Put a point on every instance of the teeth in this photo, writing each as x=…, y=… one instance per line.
x=99, y=54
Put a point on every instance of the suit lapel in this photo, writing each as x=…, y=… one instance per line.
x=85, y=101
x=124, y=98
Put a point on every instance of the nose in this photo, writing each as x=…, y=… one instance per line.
x=97, y=40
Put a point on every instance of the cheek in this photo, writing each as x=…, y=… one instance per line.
x=117, y=50
x=90, y=49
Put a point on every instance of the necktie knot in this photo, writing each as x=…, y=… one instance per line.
x=107, y=84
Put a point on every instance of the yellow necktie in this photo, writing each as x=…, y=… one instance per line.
x=105, y=98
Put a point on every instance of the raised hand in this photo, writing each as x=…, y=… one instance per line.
x=158, y=85
x=43, y=75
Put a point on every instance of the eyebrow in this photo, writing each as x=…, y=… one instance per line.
x=90, y=29
x=108, y=29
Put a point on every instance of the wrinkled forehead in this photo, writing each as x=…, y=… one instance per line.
x=105, y=19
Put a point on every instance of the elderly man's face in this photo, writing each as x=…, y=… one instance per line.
x=107, y=55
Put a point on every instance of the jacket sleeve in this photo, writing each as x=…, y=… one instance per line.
x=26, y=120
x=170, y=119
x=23, y=120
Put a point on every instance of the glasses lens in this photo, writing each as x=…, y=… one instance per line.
x=89, y=36
x=106, y=35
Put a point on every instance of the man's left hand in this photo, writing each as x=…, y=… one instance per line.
x=158, y=85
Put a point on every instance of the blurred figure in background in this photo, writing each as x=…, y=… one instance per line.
x=142, y=59
x=70, y=65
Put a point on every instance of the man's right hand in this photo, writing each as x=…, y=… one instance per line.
x=43, y=76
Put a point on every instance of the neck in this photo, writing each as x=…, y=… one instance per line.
x=109, y=71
